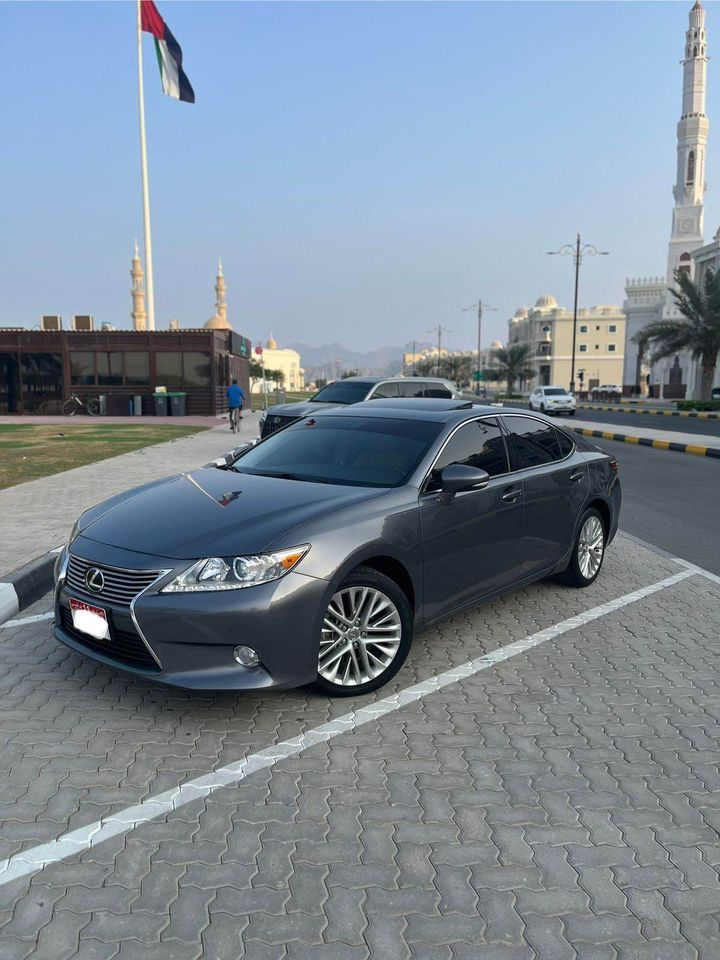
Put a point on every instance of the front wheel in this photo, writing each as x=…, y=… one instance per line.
x=366, y=635
x=542, y=408
x=69, y=408
x=93, y=407
x=571, y=413
x=588, y=552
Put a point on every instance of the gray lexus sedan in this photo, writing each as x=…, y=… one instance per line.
x=315, y=554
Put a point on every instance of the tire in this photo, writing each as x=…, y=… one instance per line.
x=581, y=571
x=69, y=408
x=93, y=408
x=542, y=408
x=383, y=603
x=571, y=413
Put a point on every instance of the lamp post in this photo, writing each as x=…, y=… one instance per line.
x=480, y=307
x=577, y=251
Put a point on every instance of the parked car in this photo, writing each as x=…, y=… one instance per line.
x=552, y=400
x=315, y=554
x=351, y=390
x=614, y=388
x=715, y=393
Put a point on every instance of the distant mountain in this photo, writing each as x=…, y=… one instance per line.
x=321, y=361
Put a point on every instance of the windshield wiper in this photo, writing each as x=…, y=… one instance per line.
x=294, y=476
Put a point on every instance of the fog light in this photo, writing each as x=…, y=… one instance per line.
x=246, y=656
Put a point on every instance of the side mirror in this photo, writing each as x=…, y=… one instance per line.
x=456, y=478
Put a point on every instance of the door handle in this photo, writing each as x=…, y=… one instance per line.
x=510, y=496
x=577, y=477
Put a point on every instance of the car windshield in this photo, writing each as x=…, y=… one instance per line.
x=343, y=391
x=356, y=451
x=555, y=392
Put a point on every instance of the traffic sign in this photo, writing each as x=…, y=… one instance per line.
x=478, y=375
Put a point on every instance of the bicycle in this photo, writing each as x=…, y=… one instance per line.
x=235, y=418
x=75, y=405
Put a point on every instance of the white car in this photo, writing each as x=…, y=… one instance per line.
x=608, y=388
x=552, y=400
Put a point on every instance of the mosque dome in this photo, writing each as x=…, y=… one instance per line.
x=521, y=312
x=496, y=345
x=218, y=323
x=546, y=300
x=272, y=343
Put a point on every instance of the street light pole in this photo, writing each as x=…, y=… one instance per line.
x=480, y=307
x=440, y=330
x=577, y=251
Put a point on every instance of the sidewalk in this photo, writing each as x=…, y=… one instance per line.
x=702, y=445
x=37, y=516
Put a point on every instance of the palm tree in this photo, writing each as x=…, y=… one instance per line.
x=698, y=331
x=514, y=362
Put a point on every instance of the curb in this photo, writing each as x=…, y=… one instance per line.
x=21, y=587
x=697, y=449
x=690, y=414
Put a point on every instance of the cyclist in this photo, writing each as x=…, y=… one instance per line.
x=235, y=399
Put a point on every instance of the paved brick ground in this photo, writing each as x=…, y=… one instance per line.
x=563, y=804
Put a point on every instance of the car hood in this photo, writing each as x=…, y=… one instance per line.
x=301, y=409
x=213, y=512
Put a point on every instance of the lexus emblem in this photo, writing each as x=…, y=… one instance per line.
x=94, y=580
x=277, y=420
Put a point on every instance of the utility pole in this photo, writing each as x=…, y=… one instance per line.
x=480, y=307
x=413, y=359
x=440, y=330
x=577, y=251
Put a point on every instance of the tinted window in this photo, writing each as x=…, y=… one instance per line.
x=137, y=369
x=82, y=367
x=344, y=391
x=358, y=451
x=437, y=390
x=169, y=369
x=478, y=444
x=196, y=369
x=412, y=388
x=532, y=442
x=566, y=444
x=110, y=369
x=385, y=390
x=555, y=392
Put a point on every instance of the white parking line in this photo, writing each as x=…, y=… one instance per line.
x=75, y=841
x=23, y=620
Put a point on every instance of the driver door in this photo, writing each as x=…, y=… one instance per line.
x=471, y=546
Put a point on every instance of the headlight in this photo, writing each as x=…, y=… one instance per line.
x=74, y=533
x=234, y=573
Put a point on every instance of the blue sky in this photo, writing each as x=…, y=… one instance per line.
x=365, y=170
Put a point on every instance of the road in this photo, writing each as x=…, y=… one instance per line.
x=670, y=500
x=651, y=422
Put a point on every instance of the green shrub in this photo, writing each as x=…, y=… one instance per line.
x=698, y=404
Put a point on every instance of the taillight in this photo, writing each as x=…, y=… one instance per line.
x=614, y=466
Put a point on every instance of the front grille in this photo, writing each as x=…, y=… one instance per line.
x=273, y=423
x=125, y=646
x=121, y=586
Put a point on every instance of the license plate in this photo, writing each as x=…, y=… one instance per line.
x=90, y=620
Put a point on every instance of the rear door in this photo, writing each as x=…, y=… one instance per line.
x=473, y=545
x=555, y=483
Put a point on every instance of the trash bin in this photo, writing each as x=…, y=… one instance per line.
x=177, y=404
x=137, y=405
x=161, y=404
x=102, y=400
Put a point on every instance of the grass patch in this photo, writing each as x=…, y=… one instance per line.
x=32, y=450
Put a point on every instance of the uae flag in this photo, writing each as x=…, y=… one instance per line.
x=175, y=83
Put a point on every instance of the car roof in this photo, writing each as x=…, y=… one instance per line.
x=375, y=380
x=420, y=408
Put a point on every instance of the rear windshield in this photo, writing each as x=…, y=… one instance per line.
x=555, y=392
x=343, y=391
x=362, y=452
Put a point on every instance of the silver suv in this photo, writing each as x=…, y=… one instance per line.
x=342, y=393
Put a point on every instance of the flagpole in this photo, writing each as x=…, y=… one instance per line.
x=145, y=189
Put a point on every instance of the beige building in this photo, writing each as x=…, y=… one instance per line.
x=548, y=329
x=285, y=360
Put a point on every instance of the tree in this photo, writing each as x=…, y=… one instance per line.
x=350, y=373
x=255, y=372
x=514, y=362
x=698, y=331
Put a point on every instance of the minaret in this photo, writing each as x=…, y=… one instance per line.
x=692, y=132
x=220, y=304
x=137, y=291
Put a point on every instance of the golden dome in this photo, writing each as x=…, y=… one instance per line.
x=217, y=323
x=272, y=343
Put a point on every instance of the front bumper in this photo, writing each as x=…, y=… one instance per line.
x=187, y=640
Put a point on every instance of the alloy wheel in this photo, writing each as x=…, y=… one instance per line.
x=361, y=635
x=591, y=544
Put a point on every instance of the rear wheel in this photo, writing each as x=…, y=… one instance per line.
x=93, y=407
x=542, y=408
x=366, y=634
x=588, y=552
x=69, y=408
